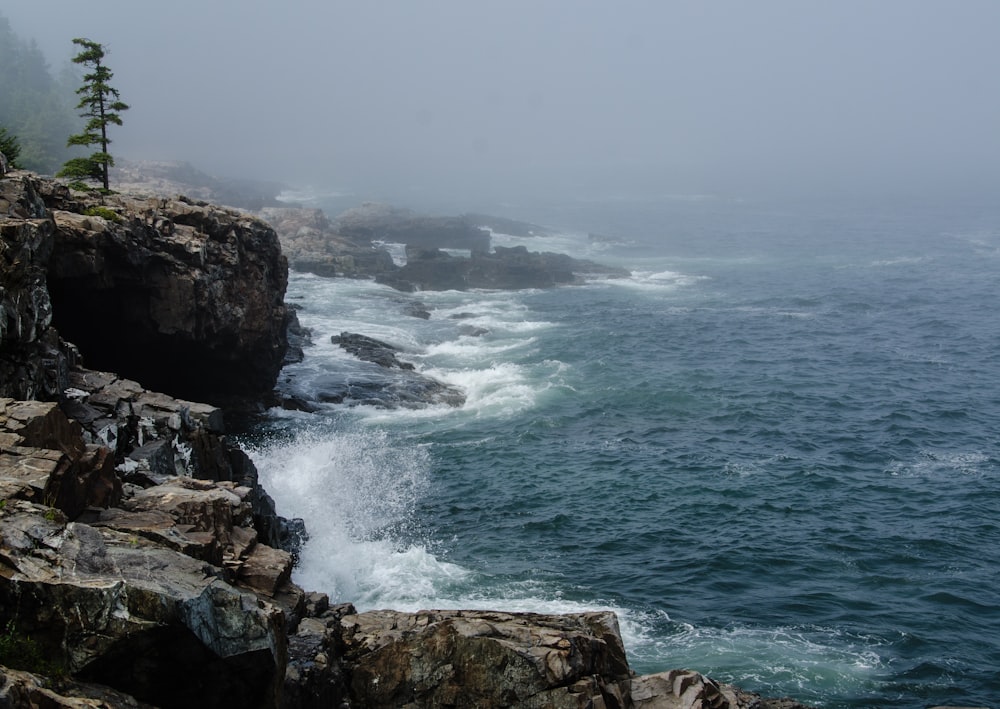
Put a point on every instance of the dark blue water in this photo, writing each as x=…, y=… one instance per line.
x=773, y=451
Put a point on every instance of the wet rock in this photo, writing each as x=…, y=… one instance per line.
x=391, y=383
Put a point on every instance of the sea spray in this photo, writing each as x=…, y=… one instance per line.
x=356, y=492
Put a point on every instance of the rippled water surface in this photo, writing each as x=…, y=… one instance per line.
x=773, y=450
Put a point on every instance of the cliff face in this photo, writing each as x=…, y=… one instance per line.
x=32, y=361
x=186, y=297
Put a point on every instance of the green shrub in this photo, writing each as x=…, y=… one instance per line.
x=20, y=652
x=104, y=213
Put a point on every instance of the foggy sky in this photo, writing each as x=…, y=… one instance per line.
x=571, y=97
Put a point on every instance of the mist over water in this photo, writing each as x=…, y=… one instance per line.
x=771, y=451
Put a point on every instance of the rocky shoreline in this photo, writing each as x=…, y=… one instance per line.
x=141, y=562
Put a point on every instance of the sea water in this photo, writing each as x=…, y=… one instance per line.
x=772, y=451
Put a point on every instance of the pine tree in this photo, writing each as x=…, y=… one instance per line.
x=11, y=148
x=101, y=105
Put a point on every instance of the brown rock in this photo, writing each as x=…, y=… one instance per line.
x=470, y=658
x=265, y=570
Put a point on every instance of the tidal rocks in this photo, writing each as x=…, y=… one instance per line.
x=390, y=383
x=372, y=222
x=312, y=245
x=183, y=296
x=502, y=269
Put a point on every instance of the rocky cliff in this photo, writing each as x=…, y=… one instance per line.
x=184, y=296
x=141, y=562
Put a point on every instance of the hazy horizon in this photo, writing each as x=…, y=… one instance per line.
x=507, y=100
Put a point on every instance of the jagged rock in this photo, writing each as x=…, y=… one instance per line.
x=299, y=337
x=43, y=458
x=482, y=658
x=316, y=676
x=33, y=361
x=121, y=611
x=681, y=689
x=173, y=580
x=266, y=570
x=370, y=350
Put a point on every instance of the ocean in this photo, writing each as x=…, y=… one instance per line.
x=772, y=451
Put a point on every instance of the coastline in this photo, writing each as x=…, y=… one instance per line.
x=104, y=475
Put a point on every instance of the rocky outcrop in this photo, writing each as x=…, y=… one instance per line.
x=502, y=269
x=384, y=659
x=389, y=383
x=452, y=658
x=136, y=543
x=503, y=225
x=372, y=222
x=155, y=178
x=312, y=245
x=181, y=295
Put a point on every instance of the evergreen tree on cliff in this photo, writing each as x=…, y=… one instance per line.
x=100, y=104
x=10, y=147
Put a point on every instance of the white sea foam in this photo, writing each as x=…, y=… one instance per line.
x=810, y=658
x=942, y=464
x=657, y=280
x=356, y=491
